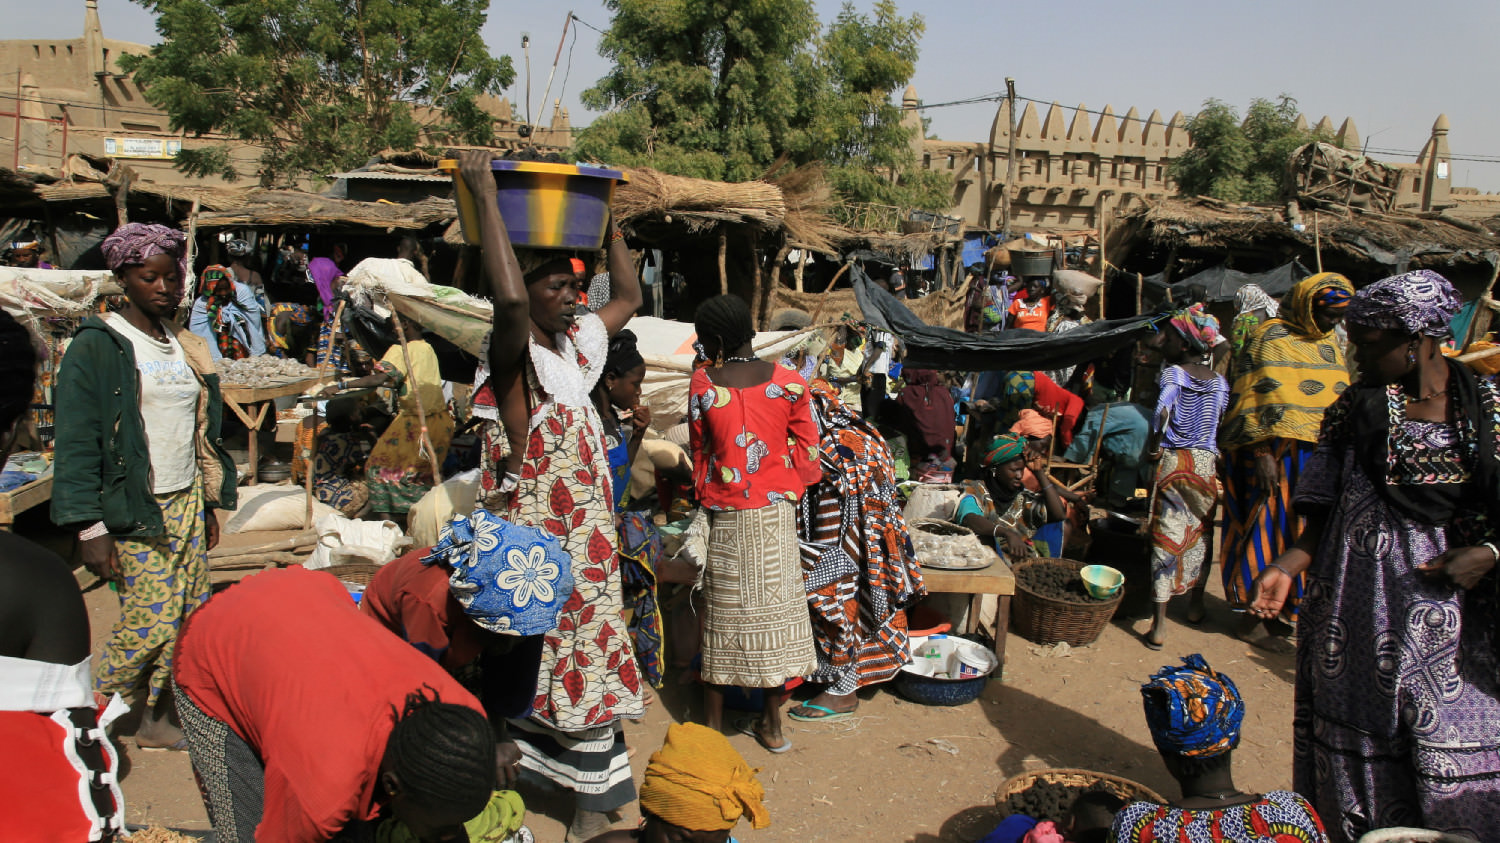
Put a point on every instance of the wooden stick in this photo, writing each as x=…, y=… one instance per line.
x=822, y=301
x=310, y=468
x=1317, y=242
x=801, y=267
x=416, y=392
x=305, y=539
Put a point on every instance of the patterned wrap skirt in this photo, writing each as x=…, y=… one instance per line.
x=1187, y=489
x=756, y=629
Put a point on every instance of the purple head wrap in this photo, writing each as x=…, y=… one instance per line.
x=324, y=272
x=1420, y=302
x=135, y=243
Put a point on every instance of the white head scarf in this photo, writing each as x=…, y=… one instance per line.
x=1252, y=297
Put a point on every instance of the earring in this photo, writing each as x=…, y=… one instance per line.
x=1411, y=355
x=719, y=360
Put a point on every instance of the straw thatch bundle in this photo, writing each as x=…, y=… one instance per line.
x=289, y=207
x=654, y=194
x=944, y=308
x=808, y=197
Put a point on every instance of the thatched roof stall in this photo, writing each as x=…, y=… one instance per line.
x=1362, y=245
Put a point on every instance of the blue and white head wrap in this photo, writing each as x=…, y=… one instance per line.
x=1193, y=710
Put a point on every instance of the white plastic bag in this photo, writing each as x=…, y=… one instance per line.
x=342, y=541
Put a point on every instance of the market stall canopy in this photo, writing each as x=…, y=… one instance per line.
x=946, y=349
x=1222, y=282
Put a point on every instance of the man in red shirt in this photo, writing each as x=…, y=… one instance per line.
x=306, y=719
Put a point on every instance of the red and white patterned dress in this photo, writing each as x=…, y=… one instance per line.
x=588, y=675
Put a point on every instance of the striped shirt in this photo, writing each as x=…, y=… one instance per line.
x=1188, y=409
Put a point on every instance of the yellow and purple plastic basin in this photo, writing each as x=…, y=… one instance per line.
x=544, y=206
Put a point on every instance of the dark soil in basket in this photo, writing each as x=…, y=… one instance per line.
x=1046, y=800
x=1056, y=582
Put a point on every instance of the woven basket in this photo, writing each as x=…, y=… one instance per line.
x=1047, y=620
x=354, y=573
x=1124, y=788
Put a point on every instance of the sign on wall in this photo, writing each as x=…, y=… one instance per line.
x=141, y=147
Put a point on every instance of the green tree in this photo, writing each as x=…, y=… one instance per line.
x=702, y=88
x=320, y=85
x=722, y=89
x=1240, y=160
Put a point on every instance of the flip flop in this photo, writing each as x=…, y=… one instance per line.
x=180, y=746
x=746, y=726
x=828, y=716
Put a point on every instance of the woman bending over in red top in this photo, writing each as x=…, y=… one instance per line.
x=755, y=450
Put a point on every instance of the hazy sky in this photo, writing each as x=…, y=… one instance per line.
x=1393, y=67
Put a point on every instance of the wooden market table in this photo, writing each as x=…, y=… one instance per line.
x=22, y=498
x=996, y=579
x=251, y=403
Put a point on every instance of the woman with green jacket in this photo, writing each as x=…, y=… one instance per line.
x=140, y=464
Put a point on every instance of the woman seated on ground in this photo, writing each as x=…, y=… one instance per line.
x=1194, y=714
x=696, y=788
x=343, y=442
x=1021, y=522
x=227, y=316
x=400, y=470
x=298, y=742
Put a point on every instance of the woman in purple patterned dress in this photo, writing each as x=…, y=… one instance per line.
x=1396, y=720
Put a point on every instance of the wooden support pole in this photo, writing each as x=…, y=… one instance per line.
x=801, y=267
x=1317, y=242
x=775, y=284
x=1010, y=160
x=723, y=261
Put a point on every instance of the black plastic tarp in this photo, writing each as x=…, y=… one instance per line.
x=931, y=347
x=1222, y=282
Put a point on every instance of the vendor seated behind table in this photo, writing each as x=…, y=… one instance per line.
x=481, y=640
x=998, y=505
x=306, y=720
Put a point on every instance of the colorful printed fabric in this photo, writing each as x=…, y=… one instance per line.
x=1026, y=513
x=1419, y=302
x=166, y=577
x=398, y=471
x=1259, y=523
x=640, y=551
x=340, y=458
x=859, y=569
x=1279, y=816
x=218, y=292
x=1200, y=330
x=1187, y=491
x=588, y=677
x=510, y=579
x=751, y=447
x=1396, y=694
x=284, y=315
x=1193, y=710
x=1288, y=373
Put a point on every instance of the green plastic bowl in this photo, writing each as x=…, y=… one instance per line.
x=1102, y=581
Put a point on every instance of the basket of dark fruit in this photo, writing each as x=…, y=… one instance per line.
x=1053, y=604
x=1048, y=794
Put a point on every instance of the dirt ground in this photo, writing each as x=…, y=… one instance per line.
x=898, y=771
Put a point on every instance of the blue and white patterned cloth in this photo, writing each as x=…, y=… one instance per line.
x=509, y=578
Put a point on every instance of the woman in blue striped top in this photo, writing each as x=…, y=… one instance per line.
x=1191, y=400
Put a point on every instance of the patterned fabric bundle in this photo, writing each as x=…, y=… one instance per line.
x=509, y=578
x=1193, y=710
x=218, y=291
x=697, y=781
x=1420, y=302
x=857, y=558
x=1199, y=329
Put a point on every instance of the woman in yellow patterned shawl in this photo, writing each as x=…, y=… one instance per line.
x=1290, y=370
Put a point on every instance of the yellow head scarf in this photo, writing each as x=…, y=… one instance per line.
x=697, y=781
x=1288, y=372
x=1297, y=310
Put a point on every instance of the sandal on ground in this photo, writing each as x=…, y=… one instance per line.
x=746, y=726
x=828, y=715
